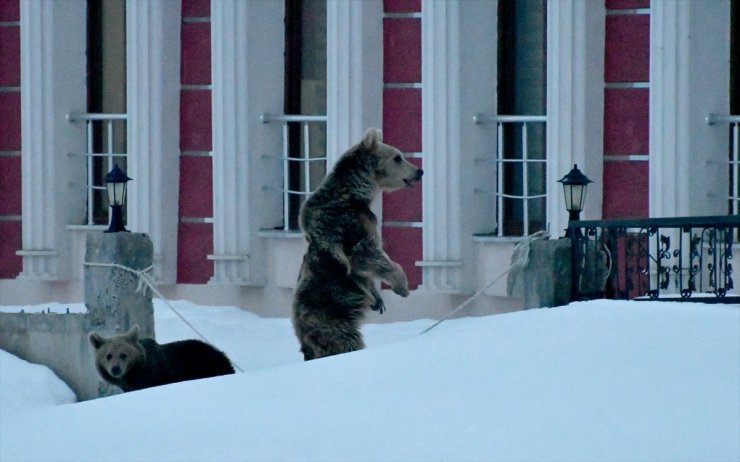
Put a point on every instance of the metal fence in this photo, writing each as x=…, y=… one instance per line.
x=303, y=160
x=521, y=170
x=686, y=258
x=733, y=122
x=105, y=145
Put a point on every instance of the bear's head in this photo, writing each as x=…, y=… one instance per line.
x=116, y=356
x=392, y=170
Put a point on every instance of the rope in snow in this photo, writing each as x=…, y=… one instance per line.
x=520, y=258
x=145, y=281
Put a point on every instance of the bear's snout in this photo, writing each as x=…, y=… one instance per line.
x=419, y=173
x=115, y=371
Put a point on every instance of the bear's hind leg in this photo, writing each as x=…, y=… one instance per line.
x=329, y=340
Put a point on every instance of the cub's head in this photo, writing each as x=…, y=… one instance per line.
x=392, y=170
x=116, y=356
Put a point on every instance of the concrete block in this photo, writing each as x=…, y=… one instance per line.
x=111, y=298
x=546, y=279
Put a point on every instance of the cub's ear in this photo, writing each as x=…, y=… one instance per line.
x=372, y=139
x=133, y=333
x=96, y=340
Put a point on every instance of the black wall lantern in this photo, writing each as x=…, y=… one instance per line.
x=115, y=182
x=574, y=187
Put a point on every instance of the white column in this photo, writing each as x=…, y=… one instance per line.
x=52, y=85
x=153, y=107
x=230, y=118
x=441, y=145
x=689, y=78
x=458, y=82
x=247, y=72
x=354, y=92
x=575, y=103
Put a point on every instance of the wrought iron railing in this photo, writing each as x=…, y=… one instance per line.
x=686, y=258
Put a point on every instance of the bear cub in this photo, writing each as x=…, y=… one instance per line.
x=134, y=363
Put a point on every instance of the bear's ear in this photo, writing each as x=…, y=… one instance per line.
x=372, y=139
x=96, y=340
x=133, y=333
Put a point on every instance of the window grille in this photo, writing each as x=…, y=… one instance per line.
x=105, y=145
x=734, y=160
x=734, y=164
x=309, y=155
x=521, y=168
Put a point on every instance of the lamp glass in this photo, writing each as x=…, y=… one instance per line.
x=574, y=196
x=116, y=193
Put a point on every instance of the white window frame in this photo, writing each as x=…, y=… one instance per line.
x=733, y=162
x=304, y=162
x=108, y=122
x=523, y=122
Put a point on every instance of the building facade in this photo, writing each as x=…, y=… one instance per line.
x=226, y=113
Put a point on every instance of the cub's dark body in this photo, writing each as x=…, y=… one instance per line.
x=147, y=363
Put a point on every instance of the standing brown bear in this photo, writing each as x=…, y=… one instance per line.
x=345, y=253
x=134, y=363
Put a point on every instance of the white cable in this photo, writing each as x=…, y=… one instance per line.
x=520, y=257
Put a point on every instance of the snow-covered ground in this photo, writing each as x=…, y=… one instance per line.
x=594, y=381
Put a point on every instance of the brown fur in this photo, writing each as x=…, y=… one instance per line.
x=133, y=363
x=345, y=253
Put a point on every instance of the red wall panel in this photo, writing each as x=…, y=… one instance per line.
x=626, y=121
x=194, y=244
x=626, y=190
x=196, y=8
x=196, y=186
x=195, y=120
x=402, y=50
x=627, y=52
x=402, y=6
x=626, y=4
x=195, y=66
x=10, y=56
x=404, y=204
x=10, y=121
x=10, y=263
x=402, y=118
x=10, y=10
x=404, y=246
x=10, y=185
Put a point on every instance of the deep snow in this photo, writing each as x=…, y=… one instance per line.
x=592, y=381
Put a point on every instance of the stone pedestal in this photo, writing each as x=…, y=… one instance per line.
x=111, y=298
x=546, y=279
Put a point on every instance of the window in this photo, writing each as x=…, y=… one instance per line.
x=521, y=158
x=106, y=101
x=305, y=104
x=734, y=118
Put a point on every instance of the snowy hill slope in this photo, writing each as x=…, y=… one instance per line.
x=592, y=381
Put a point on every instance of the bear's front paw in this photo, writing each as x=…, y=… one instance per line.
x=398, y=281
x=401, y=286
x=402, y=291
